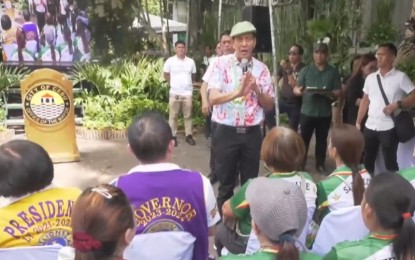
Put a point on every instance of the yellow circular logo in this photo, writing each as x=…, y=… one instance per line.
x=47, y=104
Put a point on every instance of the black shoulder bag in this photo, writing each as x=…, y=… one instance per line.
x=404, y=124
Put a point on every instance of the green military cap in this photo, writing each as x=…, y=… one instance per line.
x=242, y=28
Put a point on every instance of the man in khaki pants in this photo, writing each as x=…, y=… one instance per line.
x=180, y=71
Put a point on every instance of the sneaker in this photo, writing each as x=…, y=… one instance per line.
x=189, y=140
x=175, y=141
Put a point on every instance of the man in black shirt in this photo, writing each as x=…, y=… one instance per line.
x=287, y=79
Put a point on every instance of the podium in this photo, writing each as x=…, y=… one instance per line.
x=48, y=112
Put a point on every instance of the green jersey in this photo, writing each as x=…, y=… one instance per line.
x=409, y=174
x=240, y=207
x=375, y=246
x=268, y=255
x=335, y=192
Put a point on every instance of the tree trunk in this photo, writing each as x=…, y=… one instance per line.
x=195, y=24
x=407, y=50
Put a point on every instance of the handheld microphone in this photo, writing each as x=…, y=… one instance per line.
x=245, y=65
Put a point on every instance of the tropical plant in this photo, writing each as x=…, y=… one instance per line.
x=407, y=47
x=382, y=30
x=339, y=20
x=409, y=68
x=11, y=76
x=122, y=90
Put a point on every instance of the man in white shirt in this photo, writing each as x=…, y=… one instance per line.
x=170, y=203
x=180, y=71
x=380, y=129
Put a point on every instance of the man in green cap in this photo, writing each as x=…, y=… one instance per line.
x=240, y=89
x=319, y=84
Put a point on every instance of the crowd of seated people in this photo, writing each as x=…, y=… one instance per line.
x=161, y=211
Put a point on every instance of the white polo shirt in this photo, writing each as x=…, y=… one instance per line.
x=395, y=84
x=181, y=71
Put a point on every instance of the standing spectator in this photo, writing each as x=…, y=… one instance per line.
x=354, y=86
x=225, y=49
x=240, y=89
x=82, y=50
x=380, y=129
x=288, y=102
x=32, y=33
x=343, y=102
x=171, y=204
x=279, y=215
x=316, y=111
x=40, y=10
x=206, y=110
x=218, y=50
x=33, y=211
x=102, y=223
x=180, y=72
x=48, y=51
x=207, y=59
x=387, y=210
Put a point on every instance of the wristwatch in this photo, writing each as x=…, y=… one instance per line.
x=399, y=104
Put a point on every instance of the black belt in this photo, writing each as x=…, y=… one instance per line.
x=240, y=129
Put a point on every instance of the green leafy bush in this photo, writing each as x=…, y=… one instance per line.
x=123, y=90
x=381, y=33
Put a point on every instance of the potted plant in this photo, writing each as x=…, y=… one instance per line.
x=120, y=91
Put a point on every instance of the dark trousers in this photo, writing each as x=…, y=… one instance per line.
x=388, y=142
x=292, y=109
x=233, y=149
x=208, y=126
x=212, y=161
x=321, y=126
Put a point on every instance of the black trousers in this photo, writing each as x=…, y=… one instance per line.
x=233, y=149
x=208, y=126
x=388, y=143
x=321, y=126
x=292, y=109
x=212, y=161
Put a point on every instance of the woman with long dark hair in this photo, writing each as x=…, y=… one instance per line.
x=346, y=185
x=387, y=209
x=354, y=85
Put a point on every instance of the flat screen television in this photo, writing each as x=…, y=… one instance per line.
x=44, y=31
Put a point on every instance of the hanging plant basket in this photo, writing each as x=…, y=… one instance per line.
x=101, y=134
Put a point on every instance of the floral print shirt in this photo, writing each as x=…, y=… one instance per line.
x=226, y=76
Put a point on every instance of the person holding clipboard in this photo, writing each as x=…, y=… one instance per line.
x=319, y=84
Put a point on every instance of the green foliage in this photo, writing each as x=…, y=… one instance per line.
x=290, y=27
x=123, y=90
x=113, y=35
x=409, y=68
x=382, y=30
x=381, y=33
x=10, y=77
x=22, y=5
x=337, y=20
x=153, y=6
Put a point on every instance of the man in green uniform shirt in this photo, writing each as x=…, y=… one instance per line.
x=319, y=84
